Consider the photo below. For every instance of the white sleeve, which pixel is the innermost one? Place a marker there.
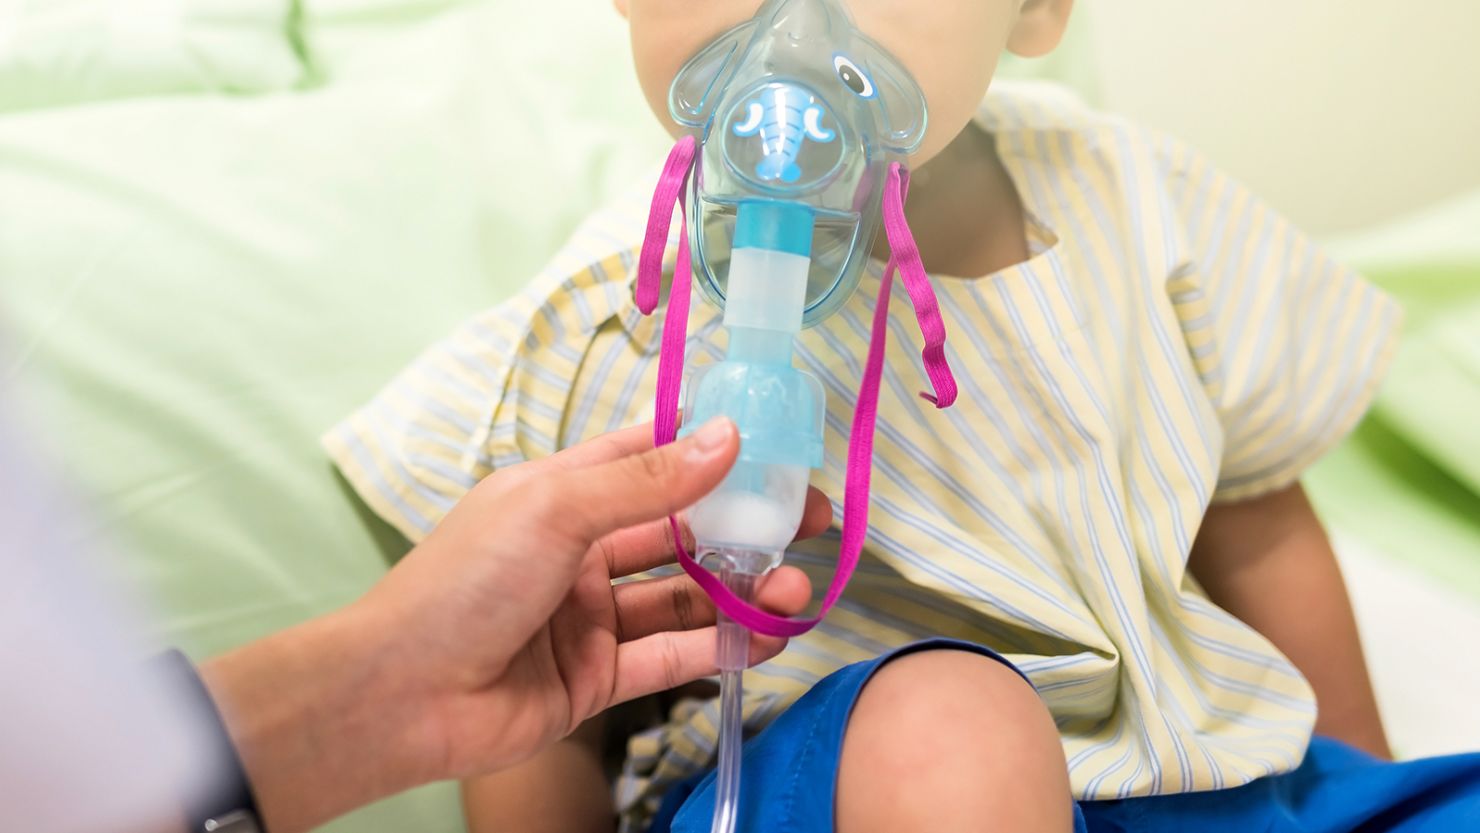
(89, 743)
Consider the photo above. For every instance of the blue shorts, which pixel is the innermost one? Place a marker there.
(791, 769)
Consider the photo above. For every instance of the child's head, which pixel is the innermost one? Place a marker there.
(950, 46)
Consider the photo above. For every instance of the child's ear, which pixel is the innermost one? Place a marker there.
(1039, 28)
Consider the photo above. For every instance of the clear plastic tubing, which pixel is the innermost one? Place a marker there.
(734, 653)
(745, 525)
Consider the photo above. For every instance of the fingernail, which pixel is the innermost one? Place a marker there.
(713, 435)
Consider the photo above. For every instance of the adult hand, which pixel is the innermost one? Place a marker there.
(496, 636)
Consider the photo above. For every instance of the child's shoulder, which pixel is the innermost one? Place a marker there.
(1044, 109)
(1154, 206)
(1054, 128)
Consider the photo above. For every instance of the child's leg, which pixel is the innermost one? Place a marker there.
(950, 740)
(562, 790)
(940, 736)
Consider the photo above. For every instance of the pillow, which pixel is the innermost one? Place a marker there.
(58, 52)
(1408, 482)
(1431, 260)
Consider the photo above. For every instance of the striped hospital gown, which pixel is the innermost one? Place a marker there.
(1171, 342)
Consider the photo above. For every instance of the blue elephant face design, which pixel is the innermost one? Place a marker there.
(783, 117)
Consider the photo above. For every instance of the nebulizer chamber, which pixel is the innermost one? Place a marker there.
(778, 409)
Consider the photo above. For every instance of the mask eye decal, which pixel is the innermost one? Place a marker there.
(853, 78)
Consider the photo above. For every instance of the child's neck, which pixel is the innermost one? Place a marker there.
(965, 211)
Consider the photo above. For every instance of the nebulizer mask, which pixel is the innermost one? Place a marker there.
(798, 127)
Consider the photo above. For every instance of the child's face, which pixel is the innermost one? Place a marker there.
(950, 46)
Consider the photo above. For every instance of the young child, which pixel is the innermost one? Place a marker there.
(1148, 360)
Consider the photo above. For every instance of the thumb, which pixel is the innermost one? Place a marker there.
(645, 487)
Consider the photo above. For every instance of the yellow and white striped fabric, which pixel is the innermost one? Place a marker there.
(1170, 343)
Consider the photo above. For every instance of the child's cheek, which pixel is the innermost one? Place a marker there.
(951, 47)
(666, 33)
(953, 96)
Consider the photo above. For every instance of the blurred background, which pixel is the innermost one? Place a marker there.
(1342, 113)
(225, 223)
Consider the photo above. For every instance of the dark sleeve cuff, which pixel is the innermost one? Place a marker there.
(223, 801)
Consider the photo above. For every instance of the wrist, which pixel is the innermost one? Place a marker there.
(319, 726)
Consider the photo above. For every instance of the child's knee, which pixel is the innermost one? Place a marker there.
(946, 735)
(944, 704)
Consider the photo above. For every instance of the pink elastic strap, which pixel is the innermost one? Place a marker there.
(660, 218)
(861, 439)
(671, 185)
(906, 254)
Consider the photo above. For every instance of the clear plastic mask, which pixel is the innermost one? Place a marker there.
(798, 105)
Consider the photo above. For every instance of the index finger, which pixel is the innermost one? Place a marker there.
(595, 501)
(669, 659)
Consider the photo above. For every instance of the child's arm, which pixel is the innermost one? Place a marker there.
(561, 790)
(1268, 562)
